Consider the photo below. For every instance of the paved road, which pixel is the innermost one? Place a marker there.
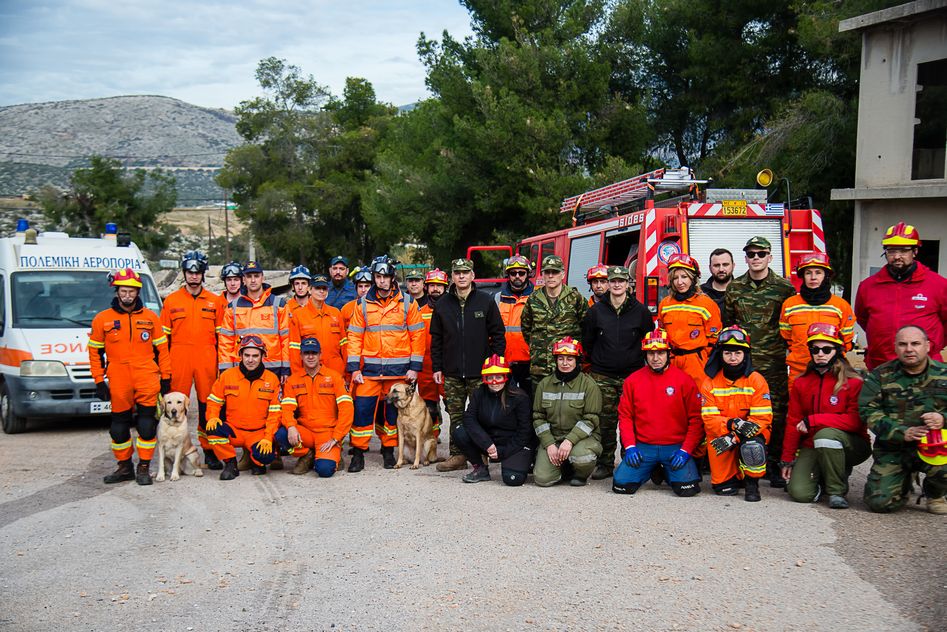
(393, 550)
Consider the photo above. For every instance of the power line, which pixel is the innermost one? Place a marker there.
(125, 157)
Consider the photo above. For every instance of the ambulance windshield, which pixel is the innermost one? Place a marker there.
(66, 299)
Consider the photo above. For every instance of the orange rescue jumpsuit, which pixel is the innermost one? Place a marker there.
(692, 326)
(265, 317)
(252, 412)
(325, 324)
(794, 321)
(320, 408)
(122, 347)
(723, 399)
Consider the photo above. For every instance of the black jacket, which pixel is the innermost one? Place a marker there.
(486, 421)
(463, 337)
(612, 341)
(716, 295)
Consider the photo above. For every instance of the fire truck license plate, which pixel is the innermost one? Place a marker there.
(100, 407)
(734, 207)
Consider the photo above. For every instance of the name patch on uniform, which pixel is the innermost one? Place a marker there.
(266, 390)
(143, 323)
(231, 387)
(145, 335)
(175, 310)
(209, 309)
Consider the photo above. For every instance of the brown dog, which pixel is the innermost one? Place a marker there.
(174, 440)
(414, 424)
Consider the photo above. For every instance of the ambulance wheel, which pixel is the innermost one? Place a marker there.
(12, 423)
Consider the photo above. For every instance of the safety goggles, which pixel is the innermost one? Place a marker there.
(251, 340)
(733, 336)
(496, 378)
(817, 349)
(192, 266)
(757, 254)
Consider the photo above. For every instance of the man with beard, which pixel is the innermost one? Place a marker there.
(511, 299)
(814, 303)
(597, 277)
(342, 290)
(721, 273)
(435, 283)
(754, 301)
(128, 347)
(190, 319)
(904, 292)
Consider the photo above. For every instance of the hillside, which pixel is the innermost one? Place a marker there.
(42, 143)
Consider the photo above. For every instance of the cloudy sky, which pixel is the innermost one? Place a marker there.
(206, 52)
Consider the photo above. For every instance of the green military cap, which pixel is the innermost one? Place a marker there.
(414, 274)
(461, 265)
(759, 242)
(618, 272)
(553, 262)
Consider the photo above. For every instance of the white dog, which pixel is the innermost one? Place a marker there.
(174, 440)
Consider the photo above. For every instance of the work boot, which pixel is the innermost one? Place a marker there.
(124, 472)
(837, 502)
(358, 461)
(244, 463)
(456, 462)
(143, 473)
(304, 464)
(752, 493)
(937, 505)
(575, 481)
(211, 461)
(257, 470)
(277, 463)
(479, 473)
(230, 470)
(388, 458)
(601, 472)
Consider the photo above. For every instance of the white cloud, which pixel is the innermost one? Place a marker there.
(206, 53)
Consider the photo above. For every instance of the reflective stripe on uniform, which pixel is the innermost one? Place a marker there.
(541, 428)
(585, 458)
(732, 390)
(831, 444)
(584, 426)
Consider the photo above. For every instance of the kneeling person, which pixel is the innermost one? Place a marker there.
(497, 423)
(317, 413)
(659, 422)
(566, 407)
(243, 410)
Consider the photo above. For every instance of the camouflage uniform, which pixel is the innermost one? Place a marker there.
(891, 401)
(543, 324)
(610, 387)
(567, 410)
(756, 306)
(456, 392)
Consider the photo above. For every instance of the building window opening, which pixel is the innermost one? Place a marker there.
(930, 122)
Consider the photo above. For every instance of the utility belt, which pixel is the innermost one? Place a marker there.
(683, 352)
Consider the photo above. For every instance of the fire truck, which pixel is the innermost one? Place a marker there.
(640, 222)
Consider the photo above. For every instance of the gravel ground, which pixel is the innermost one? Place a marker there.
(419, 550)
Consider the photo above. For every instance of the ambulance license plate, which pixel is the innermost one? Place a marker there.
(96, 408)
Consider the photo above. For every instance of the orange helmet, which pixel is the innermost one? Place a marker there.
(252, 341)
(126, 277)
(567, 346)
(436, 276)
(683, 261)
(901, 234)
(932, 448)
(825, 332)
(813, 260)
(656, 340)
(597, 272)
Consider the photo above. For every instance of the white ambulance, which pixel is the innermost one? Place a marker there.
(51, 286)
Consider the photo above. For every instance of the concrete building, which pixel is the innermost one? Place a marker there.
(900, 168)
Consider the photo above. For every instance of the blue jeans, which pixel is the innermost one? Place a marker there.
(651, 456)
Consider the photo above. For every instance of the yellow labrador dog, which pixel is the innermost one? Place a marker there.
(174, 440)
(414, 424)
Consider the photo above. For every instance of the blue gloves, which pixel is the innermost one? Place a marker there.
(632, 457)
(679, 460)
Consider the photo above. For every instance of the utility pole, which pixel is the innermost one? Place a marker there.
(226, 229)
(210, 235)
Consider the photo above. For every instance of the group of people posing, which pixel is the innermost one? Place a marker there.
(744, 377)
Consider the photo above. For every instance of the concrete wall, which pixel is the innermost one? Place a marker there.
(890, 55)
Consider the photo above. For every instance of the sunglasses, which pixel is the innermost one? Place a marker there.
(757, 254)
(815, 349)
(517, 273)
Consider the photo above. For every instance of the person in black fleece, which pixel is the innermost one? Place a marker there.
(497, 423)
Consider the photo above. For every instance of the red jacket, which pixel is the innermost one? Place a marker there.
(812, 397)
(660, 409)
(882, 306)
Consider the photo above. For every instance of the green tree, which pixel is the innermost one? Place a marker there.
(106, 192)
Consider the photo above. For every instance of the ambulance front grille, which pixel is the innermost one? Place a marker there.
(80, 372)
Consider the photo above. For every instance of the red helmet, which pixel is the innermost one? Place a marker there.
(252, 341)
(683, 261)
(597, 272)
(813, 260)
(567, 346)
(126, 277)
(932, 448)
(495, 369)
(436, 276)
(901, 234)
(656, 340)
(825, 332)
